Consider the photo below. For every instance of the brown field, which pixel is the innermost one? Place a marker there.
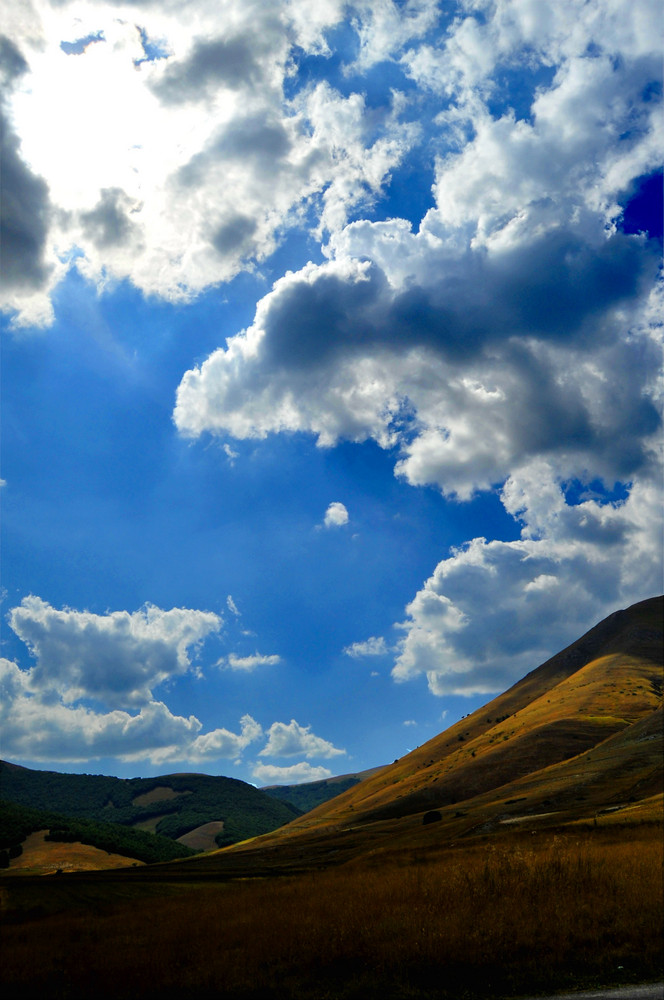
(44, 857)
(202, 838)
(160, 794)
(500, 916)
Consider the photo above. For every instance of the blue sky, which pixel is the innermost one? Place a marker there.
(331, 369)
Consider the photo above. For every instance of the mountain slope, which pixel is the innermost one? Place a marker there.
(579, 739)
(598, 686)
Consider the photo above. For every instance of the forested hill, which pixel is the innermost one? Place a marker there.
(171, 805)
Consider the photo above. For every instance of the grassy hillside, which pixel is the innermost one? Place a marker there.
(170, 805)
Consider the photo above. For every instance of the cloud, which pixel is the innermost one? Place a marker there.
(108, 223)
(295, 774)
(117, 658)
(293, 739)
(229, 62)
(374, 646)
(25, 209)
(193, 164)
(482, 346)
(222, 743)
(494, 610)
(249, 663)
(38, 726)
(232, 606)
(336, 515)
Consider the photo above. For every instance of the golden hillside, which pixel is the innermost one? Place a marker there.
(578, 739)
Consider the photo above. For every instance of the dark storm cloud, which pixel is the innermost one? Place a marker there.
(12, 63)
(108, 223)
(227, 61)
(557, 289)
(256, 137)
(234, 234)
(24, 199)
(263, 141)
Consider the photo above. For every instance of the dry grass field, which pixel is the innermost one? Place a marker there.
(45, 857)
(501, 916)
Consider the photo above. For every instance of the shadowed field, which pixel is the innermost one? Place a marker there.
(500, 917)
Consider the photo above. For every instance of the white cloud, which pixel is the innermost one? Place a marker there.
(494, 610)
(117, 658)
(223, 743)
(249, 663)
(113, 660)
(293, 739)
(270, 774)
(410, 722)
(232, 606)
(374, 646)
(336, 515)
(38, 726)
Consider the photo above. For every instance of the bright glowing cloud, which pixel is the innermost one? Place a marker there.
(293, 739)
(250, 662)
(336, 515)
(294, 774)
(374, 646)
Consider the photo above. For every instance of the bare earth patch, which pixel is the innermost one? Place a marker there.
(44, 857)
(202, 838)
(159, 794)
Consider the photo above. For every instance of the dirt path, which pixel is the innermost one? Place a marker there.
(648, 991)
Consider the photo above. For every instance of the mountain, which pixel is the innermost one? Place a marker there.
(309, 794)
(599, 686)
(577, 740)
(172, 805)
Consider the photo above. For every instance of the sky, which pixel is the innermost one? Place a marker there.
(331, 368)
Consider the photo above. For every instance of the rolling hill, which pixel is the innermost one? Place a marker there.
(172, 805)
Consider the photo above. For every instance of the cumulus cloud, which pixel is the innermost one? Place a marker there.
(223, 743)
(117, 658)
(374, 646)
(336, 515)
(494, 610)
(293, 739)
(39, 726)
(295, 774)
(249, 663)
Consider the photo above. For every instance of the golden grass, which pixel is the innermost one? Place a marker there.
(514, 915)
(43, 857)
